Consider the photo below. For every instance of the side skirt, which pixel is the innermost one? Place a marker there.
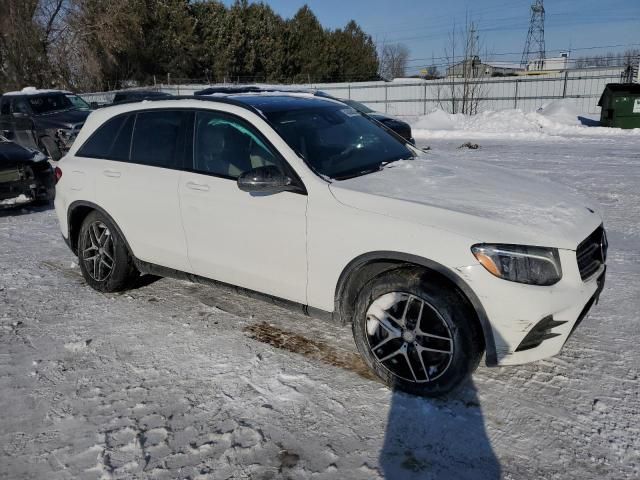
(160, 271)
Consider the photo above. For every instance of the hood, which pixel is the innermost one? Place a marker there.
(480, 201)
(63, 119)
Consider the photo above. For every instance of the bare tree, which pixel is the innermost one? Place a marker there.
(21, 58)
(393, 60)
(30, 33)
(620, 59)
(464, 89)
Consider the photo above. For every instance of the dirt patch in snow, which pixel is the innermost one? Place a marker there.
(313, 349)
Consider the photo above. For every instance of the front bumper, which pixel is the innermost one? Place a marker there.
(528, 322)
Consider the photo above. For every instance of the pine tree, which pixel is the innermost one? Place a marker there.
(106, 44)
(353, 54)
(307, 48)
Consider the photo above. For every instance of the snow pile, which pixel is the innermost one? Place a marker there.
(560, 111)
(554, 119)
(22, 198)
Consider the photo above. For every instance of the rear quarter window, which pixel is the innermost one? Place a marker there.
(111, 141)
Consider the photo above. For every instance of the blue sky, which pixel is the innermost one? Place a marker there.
(424, 25)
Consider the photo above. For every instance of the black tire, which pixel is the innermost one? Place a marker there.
(113, 252)
(446, 313)
(51, 148)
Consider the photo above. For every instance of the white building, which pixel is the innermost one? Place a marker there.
(549, 64)
(475, 67)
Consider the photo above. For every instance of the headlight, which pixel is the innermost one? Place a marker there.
(66, 136)
(64, 133)
(519, 263)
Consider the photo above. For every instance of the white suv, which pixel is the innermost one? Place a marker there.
(306, 200)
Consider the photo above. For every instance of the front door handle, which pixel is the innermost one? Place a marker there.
(198, 186)
(112, 173)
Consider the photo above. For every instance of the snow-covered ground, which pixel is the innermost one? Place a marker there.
(174, 380)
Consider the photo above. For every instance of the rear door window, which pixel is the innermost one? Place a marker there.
(112, 141)
(159, 138)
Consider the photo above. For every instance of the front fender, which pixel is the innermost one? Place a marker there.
(390, 258)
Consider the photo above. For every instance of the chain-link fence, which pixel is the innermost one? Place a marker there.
(414, 97)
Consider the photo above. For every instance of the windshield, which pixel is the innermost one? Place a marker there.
(337, 141)
(49, 103)
(78, 102)
(358, 106)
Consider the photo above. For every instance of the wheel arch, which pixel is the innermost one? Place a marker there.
(369, 265)
(77, 212)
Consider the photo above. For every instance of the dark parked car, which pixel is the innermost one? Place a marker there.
(25, 175)
(400, 127)
(47, 120)
(138, 95)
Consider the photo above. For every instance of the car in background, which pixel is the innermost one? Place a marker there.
(46, 120)
(400, 127)
(25, 175)
(138, 95)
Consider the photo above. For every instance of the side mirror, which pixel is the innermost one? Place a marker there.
(267, 179)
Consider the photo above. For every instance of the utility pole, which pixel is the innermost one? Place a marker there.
(474, 50)
(534, 48)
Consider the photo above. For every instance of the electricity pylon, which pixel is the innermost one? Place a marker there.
(534, 48)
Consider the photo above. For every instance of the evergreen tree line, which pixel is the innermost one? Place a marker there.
(86, 45)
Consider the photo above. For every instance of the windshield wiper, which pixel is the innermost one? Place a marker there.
(366, 171)
(359, 173)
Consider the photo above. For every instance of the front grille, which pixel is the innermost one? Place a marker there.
(592, 253)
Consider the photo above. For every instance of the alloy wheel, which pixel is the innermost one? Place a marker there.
(98, 252)
(408, 337)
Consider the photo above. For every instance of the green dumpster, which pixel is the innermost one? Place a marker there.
(620, 104)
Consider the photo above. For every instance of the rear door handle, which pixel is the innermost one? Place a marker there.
(198, 186)
(112, 173)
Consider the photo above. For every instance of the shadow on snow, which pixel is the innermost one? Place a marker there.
(437, 438)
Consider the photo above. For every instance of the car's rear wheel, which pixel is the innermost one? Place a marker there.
(104, 258)
(416, 334)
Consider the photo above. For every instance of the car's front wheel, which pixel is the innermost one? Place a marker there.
(416, 334)
(104, 258)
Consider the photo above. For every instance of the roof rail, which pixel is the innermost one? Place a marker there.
(238, 89)
(228, 101)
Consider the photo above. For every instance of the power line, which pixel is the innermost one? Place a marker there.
(499, 54)
(449, 61)
(437, 19)
(511, 23)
